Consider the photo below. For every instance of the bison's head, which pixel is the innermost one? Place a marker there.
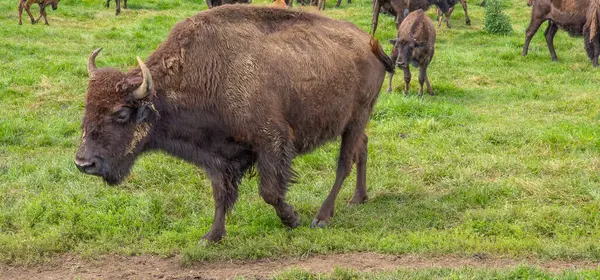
(403, 49)
(54, 4)
(118, 120)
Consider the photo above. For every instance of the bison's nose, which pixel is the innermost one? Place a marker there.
(91, 166)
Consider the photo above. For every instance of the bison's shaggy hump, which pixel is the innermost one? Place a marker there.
(271, 19)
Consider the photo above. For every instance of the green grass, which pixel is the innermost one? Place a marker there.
(522, 272)
(503, 161)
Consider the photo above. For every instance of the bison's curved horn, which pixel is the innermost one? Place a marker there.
(146, 86)
(92, 62)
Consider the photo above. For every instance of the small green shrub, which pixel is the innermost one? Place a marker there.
(496, 21)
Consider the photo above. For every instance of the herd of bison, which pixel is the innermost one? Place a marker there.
(207, 94)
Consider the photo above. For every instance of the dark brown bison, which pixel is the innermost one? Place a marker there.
(118, 4)
(401, 8)
(26, 4)
(215, 3)
(570, 15)
(415, 44)
(224, 93)
(451, 4)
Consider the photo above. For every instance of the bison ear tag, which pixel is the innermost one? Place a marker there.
(142, 113)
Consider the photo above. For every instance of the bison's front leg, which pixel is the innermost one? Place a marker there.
(21, 5)
(28, 10)
(448, 14)
(464, 5)
(406, 79)
(225, 194)
(534, 25)
(118, 3)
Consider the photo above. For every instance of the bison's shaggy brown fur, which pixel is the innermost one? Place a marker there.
(236, 86)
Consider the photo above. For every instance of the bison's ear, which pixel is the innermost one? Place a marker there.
(393, 41)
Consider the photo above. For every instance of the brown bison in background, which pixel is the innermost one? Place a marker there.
(415, 44)
(451, 4)
(215, 3)
(26, 4)
(118, 4)
(578, 17)
(400, 9)
(224, 93)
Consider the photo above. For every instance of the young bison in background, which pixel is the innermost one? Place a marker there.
(26, 4)
(222, 92)
(575, 16)
(451, 4)
(401, 8)
(415, 44)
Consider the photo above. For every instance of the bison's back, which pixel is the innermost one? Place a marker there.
(419, 26)
(265, 64)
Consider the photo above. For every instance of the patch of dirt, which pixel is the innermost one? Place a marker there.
(152, 267)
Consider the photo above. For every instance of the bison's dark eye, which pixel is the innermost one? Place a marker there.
(122, 115)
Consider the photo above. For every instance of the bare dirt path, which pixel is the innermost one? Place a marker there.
(152, 267)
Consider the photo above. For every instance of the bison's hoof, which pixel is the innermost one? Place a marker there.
(212, 238)
(292, 222)
(20, 23)
(358, 199)
(319, 223)
(468, 22)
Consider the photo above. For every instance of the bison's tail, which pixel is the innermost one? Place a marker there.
(380, 54)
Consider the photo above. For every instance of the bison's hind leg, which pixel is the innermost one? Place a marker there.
(276, 152)
(592, 47)
(549, 34)
(352, 139)
(360, 193)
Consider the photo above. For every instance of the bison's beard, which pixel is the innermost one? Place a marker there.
(115, 171)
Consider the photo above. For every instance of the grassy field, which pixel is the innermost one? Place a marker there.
(426, 274)
(502, 161)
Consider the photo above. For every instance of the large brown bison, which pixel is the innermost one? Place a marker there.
(570, 15)
(415, 45)
(26, 4)
(238, 86)
(400, 9)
